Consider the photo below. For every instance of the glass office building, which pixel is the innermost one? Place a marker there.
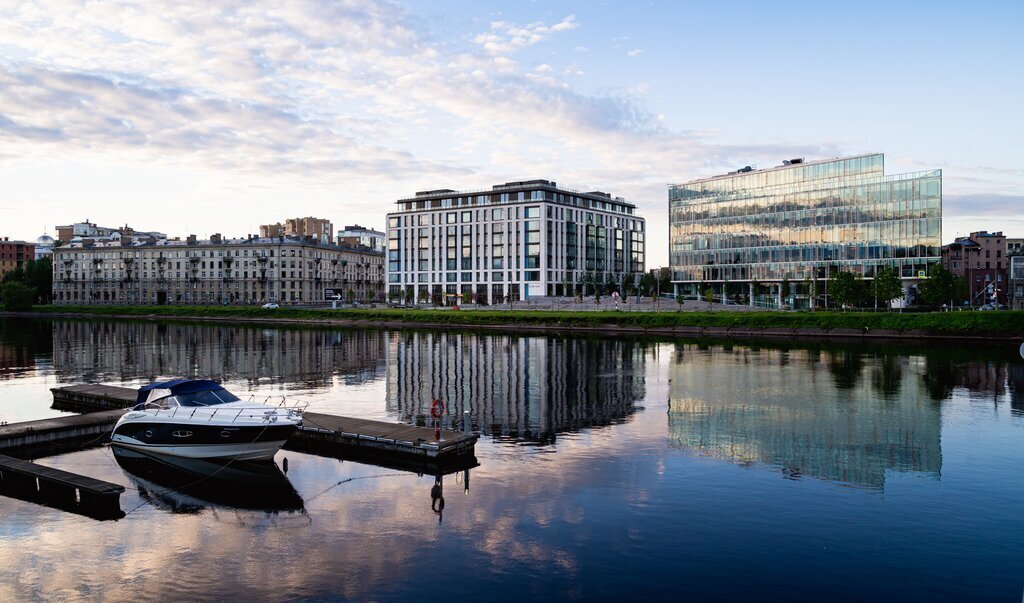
(799, 222)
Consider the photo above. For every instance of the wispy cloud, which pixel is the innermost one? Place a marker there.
(354, 96)
(505, 37)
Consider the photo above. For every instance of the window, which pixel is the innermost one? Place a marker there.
(467, 216)
(532, 212)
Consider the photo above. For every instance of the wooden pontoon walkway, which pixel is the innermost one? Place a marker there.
(320, 430)
(320, 433)
(22, 439)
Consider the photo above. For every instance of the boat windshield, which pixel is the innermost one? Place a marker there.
(205, 398)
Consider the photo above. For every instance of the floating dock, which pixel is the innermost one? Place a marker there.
(68, 491)
(33, 439)
(329, 435)
(91, 398)
(363, 438)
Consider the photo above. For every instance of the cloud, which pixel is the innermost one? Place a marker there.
(635, 52)
(982, 204)
(505, 37)
(321, 104)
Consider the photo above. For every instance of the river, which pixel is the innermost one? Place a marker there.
(609, 468)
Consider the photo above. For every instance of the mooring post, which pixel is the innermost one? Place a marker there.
(465, 422)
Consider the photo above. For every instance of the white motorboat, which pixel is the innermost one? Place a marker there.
(198, 418)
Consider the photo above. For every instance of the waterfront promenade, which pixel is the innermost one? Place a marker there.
(687, 320)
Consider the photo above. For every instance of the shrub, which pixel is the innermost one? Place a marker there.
(17, 296)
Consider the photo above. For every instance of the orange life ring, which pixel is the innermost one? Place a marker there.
(436, 408)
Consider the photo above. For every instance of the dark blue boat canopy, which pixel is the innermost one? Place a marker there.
(178, 386)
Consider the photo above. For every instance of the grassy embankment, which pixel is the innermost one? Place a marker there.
(998, 322)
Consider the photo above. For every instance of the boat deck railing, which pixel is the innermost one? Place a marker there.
(264, 412)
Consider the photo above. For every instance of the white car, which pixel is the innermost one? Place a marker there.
(271, 306)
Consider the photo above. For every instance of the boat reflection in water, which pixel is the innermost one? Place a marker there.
(184, 485)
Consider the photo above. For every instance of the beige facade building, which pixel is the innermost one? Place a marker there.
(318, 229)
(218, 271)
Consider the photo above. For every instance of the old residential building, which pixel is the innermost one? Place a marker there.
(318, 229)
(87, 232)
(518, 239)
(13, 255)
(360, 235)
(217, 271)
(981, 259)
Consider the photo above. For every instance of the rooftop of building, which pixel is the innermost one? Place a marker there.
(786, 164)
(358, 228)
(519, 185)
(215, 242)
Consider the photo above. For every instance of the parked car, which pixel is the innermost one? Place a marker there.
(987, 307)
(270, 306)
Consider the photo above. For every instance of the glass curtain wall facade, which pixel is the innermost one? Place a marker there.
(800, 222)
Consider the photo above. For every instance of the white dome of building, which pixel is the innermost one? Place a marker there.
(44, 246)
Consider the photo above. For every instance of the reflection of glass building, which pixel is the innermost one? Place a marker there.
(787, 408)
(527, 388)
(99, 351)
(801, 221)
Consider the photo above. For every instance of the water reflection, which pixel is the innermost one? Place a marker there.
(517, 388)
(780, 410)
(184, 485)
(120, 351)
(623, 511)
(24, 346)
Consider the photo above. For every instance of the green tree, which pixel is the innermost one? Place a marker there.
(843, 288)
(938, 288)
(15, 276)
(784, 289)
(372, 295)
(648, 283)
(709, 296)
(17, 296)
(467, 297)
(350, 296)
(680, 299)
(665, 279)
(887, 285)
(588, 283)
(39, 275)
(961, 290)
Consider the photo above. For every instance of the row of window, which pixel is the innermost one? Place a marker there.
(516, 197)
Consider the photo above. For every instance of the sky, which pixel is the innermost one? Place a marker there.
(221, 116)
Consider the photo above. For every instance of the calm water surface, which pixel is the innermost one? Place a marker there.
(609, 468)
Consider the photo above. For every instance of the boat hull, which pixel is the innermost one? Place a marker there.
(243, 443)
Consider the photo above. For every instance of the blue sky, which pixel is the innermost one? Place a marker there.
(217, 118)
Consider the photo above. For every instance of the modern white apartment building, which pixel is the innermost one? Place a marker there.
(517, 240)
